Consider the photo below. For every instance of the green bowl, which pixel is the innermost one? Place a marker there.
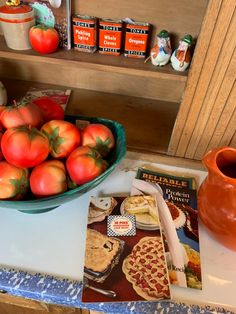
(35, 206)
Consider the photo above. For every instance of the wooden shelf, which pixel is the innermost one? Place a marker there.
(95, 61)
(148, 123)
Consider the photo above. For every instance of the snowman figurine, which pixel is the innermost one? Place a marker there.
(161, 52)
(181, 57)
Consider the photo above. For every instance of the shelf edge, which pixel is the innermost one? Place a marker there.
(92, 66)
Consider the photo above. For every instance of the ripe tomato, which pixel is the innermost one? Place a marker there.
(14, 182)
(24, 113)
(43, 39)
(24, 147)
(84, 164)
(64, 137)
(50, 109)
(48, 178)
(99, 137)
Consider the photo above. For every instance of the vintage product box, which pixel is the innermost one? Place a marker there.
(84, 33)
(110, 36)
(179, 220)
(124, 261)
(136, 39)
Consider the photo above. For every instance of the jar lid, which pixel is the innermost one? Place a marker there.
(11, 9)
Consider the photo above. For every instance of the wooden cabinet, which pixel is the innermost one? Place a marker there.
(159, 107)
(207, 115)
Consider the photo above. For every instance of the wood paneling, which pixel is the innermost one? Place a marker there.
(218, 128)
(210, 83)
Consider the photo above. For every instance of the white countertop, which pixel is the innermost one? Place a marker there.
(53, 242)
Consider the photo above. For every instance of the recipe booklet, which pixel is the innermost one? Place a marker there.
(124, 259)
(180, 225)
(60, 96)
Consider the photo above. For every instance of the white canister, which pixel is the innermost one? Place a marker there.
(16, 22)
(3, 95)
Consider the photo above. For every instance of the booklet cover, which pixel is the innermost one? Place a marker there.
(54, 13)
(180, 196)
(124, 260)
(60, 96)
(166, 179)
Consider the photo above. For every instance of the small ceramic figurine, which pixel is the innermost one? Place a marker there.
(3, 95)
(181, 57)
(161, 52)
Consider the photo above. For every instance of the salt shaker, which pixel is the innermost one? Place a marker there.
(181, 57)
(161, 52)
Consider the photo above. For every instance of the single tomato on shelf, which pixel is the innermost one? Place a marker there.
(48, 178)
(23, 113)
(44, 39)
(14, 181)
(85, 164)
(98, 136)
(64, 137)
(24, 147)
(51, 110)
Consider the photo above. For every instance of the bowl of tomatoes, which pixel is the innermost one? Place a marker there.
(44, 164)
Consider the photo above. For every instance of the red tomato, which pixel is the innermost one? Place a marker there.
(84, 164)
(21, 114)
(24, 147)
(50, 109)
(99, 137)
(43, 39)
(48, 178)
(64, 137)
(14, 182)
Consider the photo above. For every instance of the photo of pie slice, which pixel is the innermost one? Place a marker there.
(145, 268)
(144, 208)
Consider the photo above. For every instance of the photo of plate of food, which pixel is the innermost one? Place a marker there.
(178, 216)
(100, 208)
(144, 208)
(192, 267)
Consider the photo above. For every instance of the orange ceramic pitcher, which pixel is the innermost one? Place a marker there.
(217, 195)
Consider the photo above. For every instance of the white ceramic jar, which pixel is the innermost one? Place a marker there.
(16, 22)
(3, 95)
